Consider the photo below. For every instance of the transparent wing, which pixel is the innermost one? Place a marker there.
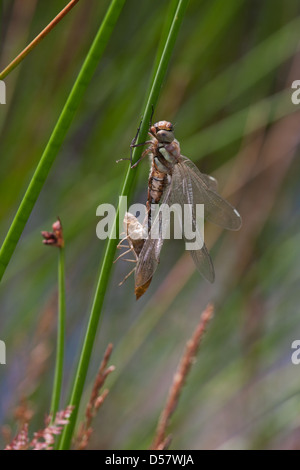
(189, 187)
(149, 257)
(204, 190)
(211, 182)
(182, 193)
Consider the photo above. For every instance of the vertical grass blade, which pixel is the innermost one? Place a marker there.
(58, 375)
(152, 98)
(59, 133)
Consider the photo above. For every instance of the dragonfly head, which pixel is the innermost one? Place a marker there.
(163, 131)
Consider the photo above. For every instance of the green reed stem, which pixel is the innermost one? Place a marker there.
(107, 263)
(59, 133)
(20, 57)
(58, 375)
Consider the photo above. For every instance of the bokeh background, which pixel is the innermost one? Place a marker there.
(228, 90)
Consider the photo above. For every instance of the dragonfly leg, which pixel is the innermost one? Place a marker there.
(137, 134)
(130, 158)
(127, 276)
(139, 128)
(151, 117)
(133, 142)
(143, 156)
(120, 244)
(122, 254)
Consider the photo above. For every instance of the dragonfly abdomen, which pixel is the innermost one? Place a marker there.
(156, 186)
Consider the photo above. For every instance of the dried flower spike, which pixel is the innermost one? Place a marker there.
(45, 438)
(161, 441)
(54, 238)
(96, 400)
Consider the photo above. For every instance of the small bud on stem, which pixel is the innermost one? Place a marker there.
(54, 238)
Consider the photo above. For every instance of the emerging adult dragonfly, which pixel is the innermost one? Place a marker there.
(174, 179)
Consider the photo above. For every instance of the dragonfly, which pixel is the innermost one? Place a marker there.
(175, 179)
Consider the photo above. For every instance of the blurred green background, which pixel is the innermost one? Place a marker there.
(228, 91)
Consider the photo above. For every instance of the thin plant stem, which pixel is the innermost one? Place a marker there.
(59, 133)
(14, 63)
(58, 375)
(107, 263)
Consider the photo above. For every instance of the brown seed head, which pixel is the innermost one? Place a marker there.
(54, 238)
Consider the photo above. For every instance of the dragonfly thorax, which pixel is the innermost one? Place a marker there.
(168, 155)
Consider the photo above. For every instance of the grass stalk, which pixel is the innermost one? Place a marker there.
(59, 133)
(58, 375)
(107, 263)
(20, 57)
